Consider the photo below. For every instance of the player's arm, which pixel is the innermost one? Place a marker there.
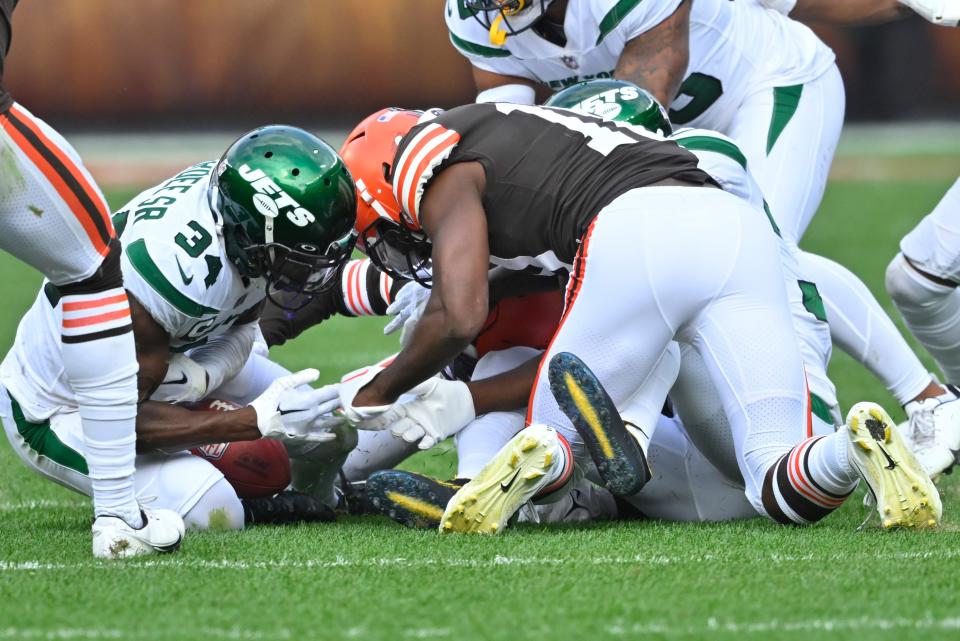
(169, 427)
(452, 215)
(657, 59)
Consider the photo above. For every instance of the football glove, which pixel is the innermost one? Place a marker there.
(286, 412)
(350, 384)
(407, 306)
(945, 13)
(186, 381)
(439, 410)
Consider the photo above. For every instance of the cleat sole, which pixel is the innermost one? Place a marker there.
(905, 495)
(619, 458)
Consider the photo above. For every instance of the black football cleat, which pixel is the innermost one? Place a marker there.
(410, 499)
(285, 508)
(619, 458)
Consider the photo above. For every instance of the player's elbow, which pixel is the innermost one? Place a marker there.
(464, 322)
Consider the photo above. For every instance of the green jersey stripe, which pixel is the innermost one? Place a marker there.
(812, 302)
(717, 145)
(140, 259)
(44, 441)
(477, 50)
(615, 16)
(785, 101)
(821, 409)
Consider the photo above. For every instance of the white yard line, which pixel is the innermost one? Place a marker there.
(820, 626)
(497, 561)
(113, 633)
(42, 504)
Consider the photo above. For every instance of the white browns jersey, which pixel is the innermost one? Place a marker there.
(736, 47)
(174, 264)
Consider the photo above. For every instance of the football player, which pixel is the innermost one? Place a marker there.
(753, 74)
(200, 252)
(54, 218)
(533, 188)
(922, 281)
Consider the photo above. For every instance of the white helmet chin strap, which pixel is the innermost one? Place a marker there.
(268, 229)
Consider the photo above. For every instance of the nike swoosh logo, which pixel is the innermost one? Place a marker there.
(183, 275)
(506, 486)
(891, 464)
(285, 412)
(180, 381)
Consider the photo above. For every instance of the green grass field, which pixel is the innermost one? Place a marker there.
(366, 578)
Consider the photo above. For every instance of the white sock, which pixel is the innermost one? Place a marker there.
(479, 441)
(99, 358)
(830, 466)
(931, 311)
(860, 327)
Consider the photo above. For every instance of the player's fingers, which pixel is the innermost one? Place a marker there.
(427, 442)
(413, 434)
(303, 377)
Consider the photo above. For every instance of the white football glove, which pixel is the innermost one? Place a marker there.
(440, 409)
(945, 13)
(408, 303)
(285, 412)
(186, 381)
(350, 384)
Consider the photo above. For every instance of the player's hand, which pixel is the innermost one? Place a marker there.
(349, 386)
(945, 13)
(285, 412)
(440, 409)
(186, 381)
(408, 304)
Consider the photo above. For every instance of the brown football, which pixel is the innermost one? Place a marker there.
(254, 468)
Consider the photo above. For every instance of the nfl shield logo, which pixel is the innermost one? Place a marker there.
(570, 61)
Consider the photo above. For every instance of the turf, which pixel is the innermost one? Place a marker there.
(366, 578)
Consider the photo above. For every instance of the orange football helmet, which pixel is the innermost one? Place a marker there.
(394, 243)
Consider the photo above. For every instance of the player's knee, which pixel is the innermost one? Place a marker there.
(219, 508)
(908, 287)
(108, 276)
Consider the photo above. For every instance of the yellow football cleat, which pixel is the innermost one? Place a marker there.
(905, 495)
(523, 468)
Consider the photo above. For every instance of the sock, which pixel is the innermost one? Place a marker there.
(931, 312)
(810, 481)
(480, 441)
(561, 471)
(860, 327)
(99, 359)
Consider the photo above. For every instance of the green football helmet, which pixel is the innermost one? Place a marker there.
(288, 205)
(614, 100)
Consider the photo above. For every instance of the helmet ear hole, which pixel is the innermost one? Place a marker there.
(269, 154)
(295, 172)
(386, 171)
(326, 182)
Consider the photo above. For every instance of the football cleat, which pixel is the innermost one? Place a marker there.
(904, 494)
(410, 499)
(535, 461)
(161, 533)
(285, 508)
(933, 432)
(616, 451)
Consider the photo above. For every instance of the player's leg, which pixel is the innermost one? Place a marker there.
(922, 281)
(790, 157)
(619, 332)
(55, 218)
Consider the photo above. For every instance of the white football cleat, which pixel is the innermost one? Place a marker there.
(161, 533)
(904, 494)
(933, 432)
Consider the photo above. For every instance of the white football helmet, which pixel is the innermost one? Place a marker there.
(506, 17)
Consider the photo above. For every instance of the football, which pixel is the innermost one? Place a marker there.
(254, 468)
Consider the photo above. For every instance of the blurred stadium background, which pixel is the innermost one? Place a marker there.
(194, 74)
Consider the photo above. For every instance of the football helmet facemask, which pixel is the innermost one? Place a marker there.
(394, 242)
(288, 206)
(614, 100)
(503, 18)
